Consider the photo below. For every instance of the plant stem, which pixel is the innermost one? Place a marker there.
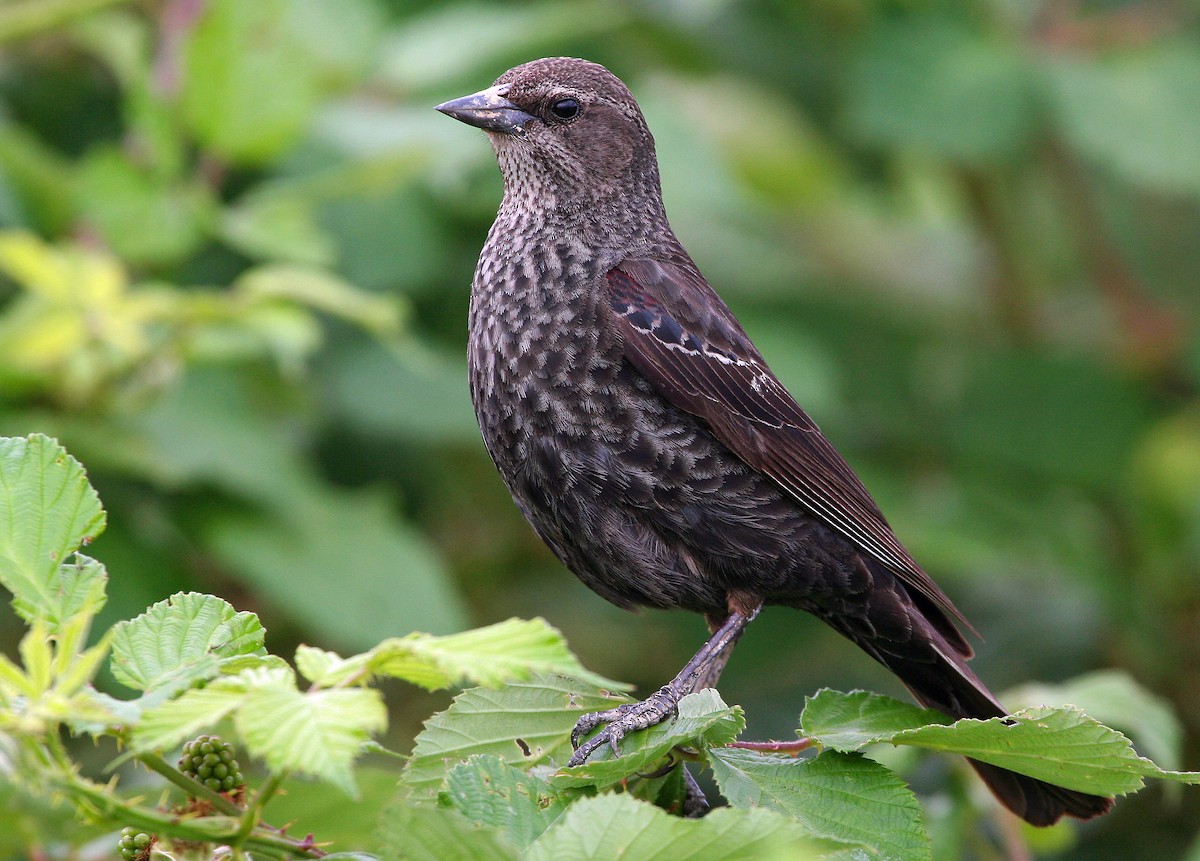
(254, 810)
(789, 747)
(207, 829)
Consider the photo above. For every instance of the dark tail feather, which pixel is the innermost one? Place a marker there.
(1038, 802)
(915, 639)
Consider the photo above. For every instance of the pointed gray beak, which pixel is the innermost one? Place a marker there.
(488, 110)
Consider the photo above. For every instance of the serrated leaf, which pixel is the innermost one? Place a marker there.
(79, 587)
(848, 722)
(1062, 746)
(1115, 699)
(616, 826)
(323, 667)
(409, 832)
(506, 651)
(702, 720)
(487, 790)
(183, 640)
(170, 724)
(523, 723)
(47, 509)
(318, 733)
(845, 798)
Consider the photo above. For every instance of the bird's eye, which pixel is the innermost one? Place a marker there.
(565, 109)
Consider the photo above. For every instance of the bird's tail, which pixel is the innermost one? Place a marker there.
(933, 665)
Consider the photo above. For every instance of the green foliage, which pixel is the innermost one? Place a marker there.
(848, 800)
(36, 539)
(488, 774)
(1047, 743)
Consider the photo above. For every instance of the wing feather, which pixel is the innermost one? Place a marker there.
(682, 338)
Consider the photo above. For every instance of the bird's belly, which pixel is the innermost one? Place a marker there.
(638, 498)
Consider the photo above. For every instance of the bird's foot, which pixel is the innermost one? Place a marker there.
(619, 722)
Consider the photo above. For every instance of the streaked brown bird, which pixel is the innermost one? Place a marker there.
(645, 439)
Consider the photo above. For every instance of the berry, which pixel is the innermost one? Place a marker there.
(210, 761)
(135, 845)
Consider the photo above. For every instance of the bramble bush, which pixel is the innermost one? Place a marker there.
(486, 778)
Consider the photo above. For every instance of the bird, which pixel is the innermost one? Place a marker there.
(647, 442)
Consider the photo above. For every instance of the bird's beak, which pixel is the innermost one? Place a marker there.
(488, 110)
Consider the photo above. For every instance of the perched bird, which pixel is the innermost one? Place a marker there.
(645, 439)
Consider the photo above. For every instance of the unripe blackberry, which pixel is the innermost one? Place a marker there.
(135, 845)
(210, 761)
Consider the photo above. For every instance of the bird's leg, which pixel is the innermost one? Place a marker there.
(701, 671)
(710, 677)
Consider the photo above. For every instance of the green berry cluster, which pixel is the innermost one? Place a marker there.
(210, 761)
(134, 845)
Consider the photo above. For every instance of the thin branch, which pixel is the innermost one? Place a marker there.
(791, 748)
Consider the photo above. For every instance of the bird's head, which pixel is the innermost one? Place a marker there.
(566, 132)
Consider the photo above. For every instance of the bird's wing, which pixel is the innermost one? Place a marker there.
(682, 338)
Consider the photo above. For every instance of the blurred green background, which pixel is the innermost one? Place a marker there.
(236, 245)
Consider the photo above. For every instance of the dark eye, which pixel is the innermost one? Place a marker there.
(565, 109)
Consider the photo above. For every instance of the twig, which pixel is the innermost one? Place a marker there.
(791, 748)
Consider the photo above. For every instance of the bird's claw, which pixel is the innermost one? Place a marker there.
(620, 721)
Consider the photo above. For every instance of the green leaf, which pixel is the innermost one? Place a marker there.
(415, 375)
(848, 722)
(928, 84)
(170, 724)
(183, 640)
(248, 86)
(322, 531)
(256, 72)
(1115, 699)
(119, 198)
(456, 40)
(47, 509)
(277, 227)
(319, 289)
(79, 588)
(1062, 746)
(318, 733)
(409, 832)
(702, 721)
(1135, 112)
(616, 826)
(503, 652)
(524, 724)
(845, 798)
(487, 790)
(307, 530)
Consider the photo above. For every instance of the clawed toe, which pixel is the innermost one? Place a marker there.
(618, 722)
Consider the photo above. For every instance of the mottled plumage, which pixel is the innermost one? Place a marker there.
(646, 440)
